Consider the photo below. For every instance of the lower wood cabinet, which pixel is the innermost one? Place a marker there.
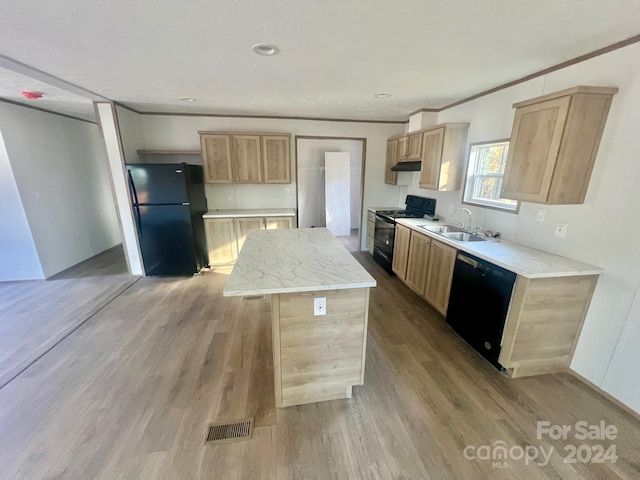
(226, 236)
(442, 259)
(401, 251)
(418, 262)
(425, 265)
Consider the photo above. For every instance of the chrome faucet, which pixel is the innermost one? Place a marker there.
(463, 210)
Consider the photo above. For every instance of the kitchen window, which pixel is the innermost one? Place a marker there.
(485, 170)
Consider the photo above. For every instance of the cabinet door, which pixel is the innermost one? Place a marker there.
(221, 240)
(390, 177)
(441, 261)
(415, 146)
(431, 155)
(403, 148)
(247, 163)
(401, 251)
(246, 225)
(419, 246)
(533, 152)
(216, 158)
(277, 223)
(276, 159)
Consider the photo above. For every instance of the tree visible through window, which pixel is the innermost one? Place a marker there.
(484, 176)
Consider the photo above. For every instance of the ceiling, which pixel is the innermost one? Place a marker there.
(335, 54)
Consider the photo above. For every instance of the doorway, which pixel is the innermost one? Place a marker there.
(312, 188)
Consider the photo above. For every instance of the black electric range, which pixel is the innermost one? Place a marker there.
(416, 207)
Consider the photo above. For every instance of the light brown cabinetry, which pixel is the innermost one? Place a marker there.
(276, 159)
(415, 146)
(225, 236)
(371, 229)
(442, 259)
(216, 158)
(401, 251)
(554, 143)
(403, 148)
(425, 265)
(418, 262)
(221, 240)
(544, 323)
(246, 158)
(390, 177)
(443, 156)
(247, 161)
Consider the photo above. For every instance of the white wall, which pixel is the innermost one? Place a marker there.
(603, 231)
(311, 178)
(18, 256)
(60, 170)
(181, 132)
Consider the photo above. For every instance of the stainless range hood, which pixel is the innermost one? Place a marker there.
(413, 166)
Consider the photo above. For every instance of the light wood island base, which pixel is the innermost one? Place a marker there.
(318, 357)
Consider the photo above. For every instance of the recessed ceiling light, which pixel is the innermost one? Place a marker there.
(187, 99)
(382, 95)
(265, 49)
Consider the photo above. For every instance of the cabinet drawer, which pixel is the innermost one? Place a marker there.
(371, 227)
(371, 216)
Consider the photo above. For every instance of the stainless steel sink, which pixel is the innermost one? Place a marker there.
(441, 228)
(463, 237)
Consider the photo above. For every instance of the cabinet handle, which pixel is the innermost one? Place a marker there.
(237, 179)
(229, 178)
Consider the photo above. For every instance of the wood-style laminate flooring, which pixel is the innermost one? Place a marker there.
(129, 394)
(35, 315)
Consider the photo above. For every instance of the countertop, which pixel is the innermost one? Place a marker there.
(377, 209)
(525, 261)
(251, 212)
(294, 260)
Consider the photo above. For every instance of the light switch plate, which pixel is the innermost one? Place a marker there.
(561, 230)
(540, 215)
(320, 306)
(229, 198)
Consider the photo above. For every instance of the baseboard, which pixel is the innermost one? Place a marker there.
(606, 395)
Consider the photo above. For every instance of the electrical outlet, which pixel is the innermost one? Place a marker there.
(540, 215)
(288, 190)
(320, 306)
(229, 198)
(561, 230)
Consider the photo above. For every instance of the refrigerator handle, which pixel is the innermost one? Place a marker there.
(133, 188)
(138, 220)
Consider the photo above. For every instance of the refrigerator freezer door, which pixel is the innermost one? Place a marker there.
(166, 240)
(159, 184)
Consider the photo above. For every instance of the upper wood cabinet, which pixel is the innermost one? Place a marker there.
(554, 143)
(247, 162)
(403, 148)
(216, 158)
(276, 158)
(442, 156)
(415, 146)
(391, 177)
(401, 251)
(246, 158)
(442, 259)
(418, 262)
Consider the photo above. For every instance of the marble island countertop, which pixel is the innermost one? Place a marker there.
(525, 261)
(294, 260)
(250, 212)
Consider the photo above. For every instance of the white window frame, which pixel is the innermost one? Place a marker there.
(470, 176)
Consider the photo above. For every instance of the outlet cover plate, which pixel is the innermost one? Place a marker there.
(561, 230)
(320, 306)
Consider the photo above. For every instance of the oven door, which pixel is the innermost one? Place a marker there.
(384, 235)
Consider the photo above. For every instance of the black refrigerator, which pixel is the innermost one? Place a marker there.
(168, 202)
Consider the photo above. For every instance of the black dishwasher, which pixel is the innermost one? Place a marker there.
(478, 304)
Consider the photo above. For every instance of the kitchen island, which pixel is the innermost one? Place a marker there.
(319, 310)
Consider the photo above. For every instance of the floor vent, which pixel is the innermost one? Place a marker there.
(254, 297)
(230, 432)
